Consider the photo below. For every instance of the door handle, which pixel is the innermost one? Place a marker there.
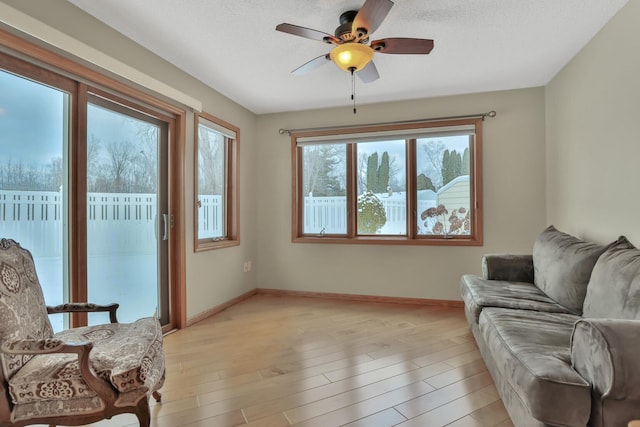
(165, 219)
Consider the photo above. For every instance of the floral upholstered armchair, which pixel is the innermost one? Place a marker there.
(76, 376)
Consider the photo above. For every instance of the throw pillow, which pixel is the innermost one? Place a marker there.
(562, 266)
(614, 287)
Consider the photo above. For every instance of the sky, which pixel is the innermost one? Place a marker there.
(396, 149)
(32, 122)
(23, 104)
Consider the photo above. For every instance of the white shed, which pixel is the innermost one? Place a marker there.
(455, 194)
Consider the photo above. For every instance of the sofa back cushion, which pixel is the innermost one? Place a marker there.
(614, 287)
(562, 266)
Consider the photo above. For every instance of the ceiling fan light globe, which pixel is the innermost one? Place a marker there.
(351, 56)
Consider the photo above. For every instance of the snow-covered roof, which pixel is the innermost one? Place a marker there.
(461, 178)
(427, 195)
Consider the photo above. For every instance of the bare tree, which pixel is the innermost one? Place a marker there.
(321, 172)
(210, 163)
(362, 172)
(18, 176)
(124, 166)
(55, 174)
(121, 157)
(95, 171)
(145, 178)
(431, 164)
(13, 176)
(397, 176)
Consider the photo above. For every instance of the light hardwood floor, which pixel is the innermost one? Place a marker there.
(276, 361)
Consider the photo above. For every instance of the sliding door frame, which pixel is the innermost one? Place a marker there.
(33, 61)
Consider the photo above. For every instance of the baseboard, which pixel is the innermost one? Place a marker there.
(363, 298)
(218, 308)
(326, 295)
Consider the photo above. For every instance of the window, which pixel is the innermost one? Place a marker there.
(216, 183)
(417, 183)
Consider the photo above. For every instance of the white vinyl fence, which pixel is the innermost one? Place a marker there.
(124, 224)
(36, 214)
(329, 214)
(128, 223)
(116, 223)
(122, 233)
(210, 216)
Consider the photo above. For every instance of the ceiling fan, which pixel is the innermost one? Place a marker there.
(352, 49)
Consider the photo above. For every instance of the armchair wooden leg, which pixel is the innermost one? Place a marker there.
(157, 396)
(143, 414)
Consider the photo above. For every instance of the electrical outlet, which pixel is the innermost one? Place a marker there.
(248, 265)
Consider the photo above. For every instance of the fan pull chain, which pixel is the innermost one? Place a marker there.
(353, 89)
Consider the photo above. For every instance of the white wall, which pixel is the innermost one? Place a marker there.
(212, 277)
(593, 143)
(514, 202)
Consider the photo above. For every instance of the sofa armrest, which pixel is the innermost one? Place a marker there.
(605, 352)
(508, 267)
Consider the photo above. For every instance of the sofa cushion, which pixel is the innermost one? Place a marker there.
(478, 293)
(562, 266)
(119, 356)
(531, 350)
(614, 287)
(510, 267)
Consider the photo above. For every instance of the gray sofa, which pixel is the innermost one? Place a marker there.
(559, 330)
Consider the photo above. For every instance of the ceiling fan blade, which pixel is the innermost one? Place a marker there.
(369, 73)
(399, 45)
(371, 15)
(311, 65)
(308, 33)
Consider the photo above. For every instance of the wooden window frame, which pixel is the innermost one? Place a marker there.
(412, 237)
(232, 195)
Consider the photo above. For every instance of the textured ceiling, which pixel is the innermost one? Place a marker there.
(480, 45)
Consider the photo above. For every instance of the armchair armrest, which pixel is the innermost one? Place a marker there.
(605, 352)
(53, 346)
(508, 267)
(84, 307)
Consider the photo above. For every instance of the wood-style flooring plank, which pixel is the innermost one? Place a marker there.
(442, 396)
(360, 394)
(454, 410)
(492, 414)
(386, 418)
(277, 361)
(467, 421)
(369, 407)
(457, 374)
(370, 382)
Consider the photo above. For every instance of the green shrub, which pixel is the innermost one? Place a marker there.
(371, 214)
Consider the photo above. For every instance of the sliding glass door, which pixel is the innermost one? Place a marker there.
(84, 186)
(127, 220)
(34, 135)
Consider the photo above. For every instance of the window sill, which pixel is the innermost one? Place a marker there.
(205, 245)
(391, 240)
